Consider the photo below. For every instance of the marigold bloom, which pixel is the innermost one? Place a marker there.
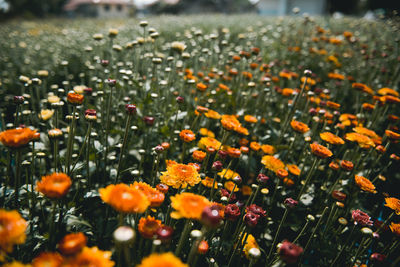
(48, 259)
(272, 163)
(393, 203)
(370, 133)
(299, 126)
(180, 176)
(362, 140)
(199, 155)
(72, 243)
(148, 226)
(392, 135)
(230, 122)
(155, 196)
(294, 169)
(55, 185)
(331, 138)
(212, 114)
(162, 260)
(320, 151)
(74, 98)
(268, 149)
(255, 146)
(91, 257)
(187, 136)
(12, 230)
(250, 119)
(232, 152)
(17, 137)
(228, 174)
(124, 198)
(206, 142)
(395, 228)
(365, 184)
(388, 91)
(188, 205)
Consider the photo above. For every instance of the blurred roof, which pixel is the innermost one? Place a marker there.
(73, 4)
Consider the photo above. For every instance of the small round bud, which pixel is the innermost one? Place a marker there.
(217, 165)
(130, 109)
(18, 99)
(124, 235)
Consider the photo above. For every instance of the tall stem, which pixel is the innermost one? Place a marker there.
(277, 234)
(125, 139)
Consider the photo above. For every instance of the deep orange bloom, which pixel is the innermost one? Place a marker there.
(230, 122)
(293, 169)
(206, 142)
(48, 259)
(362, 140)
(331, 138)
(72, 243)
(91, 257)
(370, 133)
(201, 87)
(187, 136)
(232, 151)
(203, 247)
(124, 198)
(162, 260)
(55, 185)
(393, 203)
(368, 106)
(334, 165)
(199, 155)
(180, 175)
(268, 149)
(272, 163)
(282, 173)
(392, 135)
(299, 126)
(12, 230)
(389, 99)
(250, 119)
(242, 130)
(148, 226)
(395, 227)
(212, 114)
(287, 91)
(155, 196)
(388, 91)
(229, 185)
(333, 105)
(320, 151)
(188, 205)
(255, 146)
(365, 184)
(346, 165)
(17, 137)
(363, 87)
(74, 98)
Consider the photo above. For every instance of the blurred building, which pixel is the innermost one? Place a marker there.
(285, 7)
(100, 8)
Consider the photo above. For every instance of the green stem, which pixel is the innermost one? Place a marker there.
(125, 140)
(183, 237)
(308, 178)
(277, 234)
(70, 141)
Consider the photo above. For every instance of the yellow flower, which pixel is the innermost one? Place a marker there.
(46, 114)
(206, 142)
(228, 174)
(250, 243)
(162, 260)
(393, 203)
(272, 163)
(180, 175)
(12, 230)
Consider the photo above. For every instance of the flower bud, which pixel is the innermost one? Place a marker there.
(290, 203)
(203, 247)
(251, 219)
(262, 178)
(130, 109)
(232, 212)
(211, 216)
(217, 165)
(164, 233)
(338, 195)
(148, 120)
(180, 99)
(18, 99)
(289, 252)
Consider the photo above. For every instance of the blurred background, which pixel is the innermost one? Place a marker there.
(139, 8)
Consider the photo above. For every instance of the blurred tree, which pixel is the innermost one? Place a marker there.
(343, 6)
(35, 8)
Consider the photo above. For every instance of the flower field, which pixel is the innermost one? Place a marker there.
(200, 141)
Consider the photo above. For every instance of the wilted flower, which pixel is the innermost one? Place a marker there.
(289, 252)
(361, 218)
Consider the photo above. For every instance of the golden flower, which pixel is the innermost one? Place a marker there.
(272, 163)
(337, 76)
(162, 260)
(91, 257)
(255, 146)
(211, 114)
(395, 228)
(293, 169)
(55, 185)
(206, 142)
(230, 122)
(393, 203)
(53, 99)
(155, 197)
(250, 119)
(17, 137)
(187, 136)
(367, 132)
(208, 182)
(188, 205)
(48, 259)
(320, 150)
(246, 190)
(46, 114)
(331, 138)
(124, 198)
(392, 135)
(206, 132)
(362, 140)
(180, 176)
(242, 130)
(199, 155)
(79, 89)
(72, 243)
(148, 226)
(74, 98)
(299, 126)
(363, 87)
(250, 243)
(228, 174)
(388, 91)
(12, 230)
(229, 185)
(365, 184)
(268, 149)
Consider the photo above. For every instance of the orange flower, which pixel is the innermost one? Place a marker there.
(255, 146)
(333, 105)
(206, 142)
(320, 151)
(388, 91)
(188, 205)
(282, 173)
(299, 126)
(337, 76)
(393, 203)
(16, 264)
(232, 152)
(365, 184)
(155, 197)
(74, 98)
(229, 185)
(206, 132)
(48, 259)
(250, 243)
(228, 174)
(395, 227)
(293, 169)
(370, 133)
(242, 130)
(250, 119)
(268, 149)
(331, 138)
(55, 185)
(180, 176)
(17, 137)
(124, 198)
(91, 257)
(199, 155)
(272, 163)
(148, 226)
(363, 87)
(72, 243)
(362, 140)
(211, 114)
(201, 87)
(392, 135)
(287, 91)
(246, 190)
(187, 136)
(12, 230)
(162, 260)
(208, 182)
(230, 122)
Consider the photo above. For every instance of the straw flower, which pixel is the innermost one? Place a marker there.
(74, 98)
(72, 243)
(393, 203)
(395, 228)
(320, 151)
(155, 196)
(17, 137)
(250, 243)
(250, 119)
(331, 138)
(46, 114)
(180, 175)
(188, 205)
(199, 155)
(392, 135)
(55, 185)
(91, 257)
(294, 169)
(12, 230)
(187, 136)
(124, 198)
(211, 114)
(272, 163)
(148, 226)
(228, 174)
(162, 260)
(362, 140)
(299, 126)
(268, 149)
(365, 184)
(51, 259)
(208, 182)
(206, 142)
